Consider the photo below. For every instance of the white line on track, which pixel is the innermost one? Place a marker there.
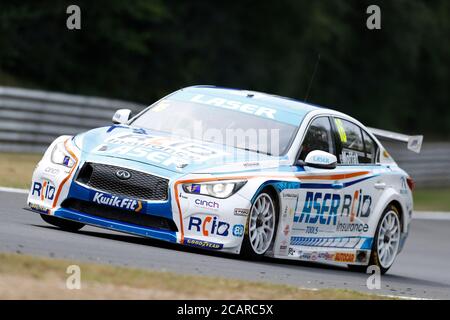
(13, 190)
(374, 293)
(431, 215)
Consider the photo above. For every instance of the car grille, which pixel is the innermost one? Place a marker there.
(140, 185)
(120, 215)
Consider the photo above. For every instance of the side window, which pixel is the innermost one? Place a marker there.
(352, 145)
(318, 137)
(371, 148)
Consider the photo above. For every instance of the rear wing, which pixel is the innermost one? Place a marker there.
(414, 143)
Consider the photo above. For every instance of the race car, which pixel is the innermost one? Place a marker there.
(236, 171)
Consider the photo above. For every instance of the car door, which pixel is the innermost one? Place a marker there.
(357, 155)
(318, 195)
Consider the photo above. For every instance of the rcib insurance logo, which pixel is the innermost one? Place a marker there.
(45, 190)
(208, 225)
(117, 202)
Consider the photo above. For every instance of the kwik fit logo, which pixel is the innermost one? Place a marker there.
(115, 201)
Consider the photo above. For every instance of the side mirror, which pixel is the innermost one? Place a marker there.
(320, 159)
(121, 116)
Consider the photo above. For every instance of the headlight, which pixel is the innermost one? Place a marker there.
(216, 189)
(61, 156)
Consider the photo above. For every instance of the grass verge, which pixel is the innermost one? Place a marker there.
(434, 199)
(29, 277)
(16, 170)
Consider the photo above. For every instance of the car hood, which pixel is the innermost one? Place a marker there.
(169, 152)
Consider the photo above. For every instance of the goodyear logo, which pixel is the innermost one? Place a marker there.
(117, 202)
(203, 244)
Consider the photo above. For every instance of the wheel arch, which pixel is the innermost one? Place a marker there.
(398, 206)
(389, 197)
(273, 187)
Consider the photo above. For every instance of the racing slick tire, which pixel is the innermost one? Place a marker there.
(63, 224)
(261, 226)
(386, 242)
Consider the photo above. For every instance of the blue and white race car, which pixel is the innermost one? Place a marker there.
(235, 171)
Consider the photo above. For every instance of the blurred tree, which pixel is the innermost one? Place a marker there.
(394, 78)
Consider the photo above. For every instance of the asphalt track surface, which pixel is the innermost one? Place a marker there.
(421, 271)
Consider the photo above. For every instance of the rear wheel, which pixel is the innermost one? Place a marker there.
(261, 226)
(62, 223)
(386, 241)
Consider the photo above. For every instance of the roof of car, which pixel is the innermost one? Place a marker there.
(278, 102)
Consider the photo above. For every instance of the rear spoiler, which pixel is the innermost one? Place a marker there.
(414, 142)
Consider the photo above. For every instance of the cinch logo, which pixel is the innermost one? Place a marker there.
(114, 201)
(44, 190)
(323, 208)
(209, 225)
(207, 204)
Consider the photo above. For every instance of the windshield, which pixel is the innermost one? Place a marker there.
(218, 125)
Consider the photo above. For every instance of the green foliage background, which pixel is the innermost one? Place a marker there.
(394, 78)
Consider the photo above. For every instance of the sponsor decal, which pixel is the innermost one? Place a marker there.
(195, 188)
(317, 256)
(202, 244)
(209, 225)
(241, 212)
(182, 196)
(251, 164)
(304, 255)
(117, 202)
(321, 159)
(167, 151)
(235, 105)
(51, 171)
(289, 195)
(283, 246)
(324, 208)
(312, 230)
(352, 227)
(38, 208)
(238, 230)
(44, 190)
(404, 185)
(286, 230)
(66, 161)
(344, 257)
(332, 242)
(326, 256)
(349, 157)
(341, 130)
(206, 204)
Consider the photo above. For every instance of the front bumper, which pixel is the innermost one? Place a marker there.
(198, 224)
(116, 225)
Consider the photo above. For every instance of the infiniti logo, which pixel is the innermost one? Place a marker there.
(123, 174)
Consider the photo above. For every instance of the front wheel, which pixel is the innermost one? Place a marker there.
(64, 224)
(261, 227)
